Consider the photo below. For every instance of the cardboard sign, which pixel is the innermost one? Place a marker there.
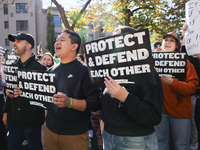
(38, 87)
(192, 37)
(126, 58)
(172, 64)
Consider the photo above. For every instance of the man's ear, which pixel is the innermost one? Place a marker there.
(74, 46)
(29, 46)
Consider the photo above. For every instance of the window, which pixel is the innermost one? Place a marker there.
(90, 26)
(5, 8)
(21, 8)
(22, 25)
(7, 43)
(6, 25)
(57, 21)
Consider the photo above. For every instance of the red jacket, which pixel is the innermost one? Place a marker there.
(186, 87)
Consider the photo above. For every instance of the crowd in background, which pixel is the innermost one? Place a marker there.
(163, 116)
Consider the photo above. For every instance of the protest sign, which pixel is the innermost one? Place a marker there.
(169, 63)
(10, 73)
(125, 57)
(10, 57)
(192, 37)
(3, 50)
(38, 87)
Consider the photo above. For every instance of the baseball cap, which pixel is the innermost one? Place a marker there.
(172, 34)
(22, 36)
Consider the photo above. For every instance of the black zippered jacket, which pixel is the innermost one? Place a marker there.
(19, 113)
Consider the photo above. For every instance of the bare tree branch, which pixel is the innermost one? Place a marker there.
(1, 1)
(80, 13)
(144, 7)
(12, 2)
(62, 14)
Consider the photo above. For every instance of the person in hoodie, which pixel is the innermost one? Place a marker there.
(130, 112)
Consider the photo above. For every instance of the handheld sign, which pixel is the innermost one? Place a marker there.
(38, 87)
(169, 63)
(10, 73)
(10, 57)
(125, 57)
(3, 50)
(192, 38)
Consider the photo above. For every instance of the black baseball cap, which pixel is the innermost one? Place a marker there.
(172, 34)
(22, 36)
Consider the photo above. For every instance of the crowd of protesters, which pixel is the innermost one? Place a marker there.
(121, 116)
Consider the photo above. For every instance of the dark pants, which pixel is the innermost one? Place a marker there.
(3, 141)
(197, 118)
(16, 137)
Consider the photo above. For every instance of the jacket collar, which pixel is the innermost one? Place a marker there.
(27, 61)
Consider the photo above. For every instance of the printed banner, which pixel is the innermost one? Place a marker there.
(3, 50)
(10, 74)
(10, 58)
(127, 58)
(192, 39)
(38, 87)
(172, 64)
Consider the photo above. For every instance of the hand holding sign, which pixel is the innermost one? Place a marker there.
(159, 49)
(17, 91)
(115, 89)
(61, 100)
(8, 94)
(167, 79)
(185, 28)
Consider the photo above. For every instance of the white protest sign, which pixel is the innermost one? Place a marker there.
(192, 39)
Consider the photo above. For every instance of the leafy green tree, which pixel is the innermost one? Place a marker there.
(50, 31)
(159, 16)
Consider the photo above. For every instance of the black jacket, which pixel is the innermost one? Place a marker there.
(141, 110)
(19, 114)
(196, 64)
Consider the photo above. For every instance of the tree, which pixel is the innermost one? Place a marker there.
(160, 16)
(50, 31)
(66, 19)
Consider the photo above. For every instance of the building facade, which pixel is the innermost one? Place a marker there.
(29, 16)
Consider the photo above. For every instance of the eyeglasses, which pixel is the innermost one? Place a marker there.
(157, 46)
